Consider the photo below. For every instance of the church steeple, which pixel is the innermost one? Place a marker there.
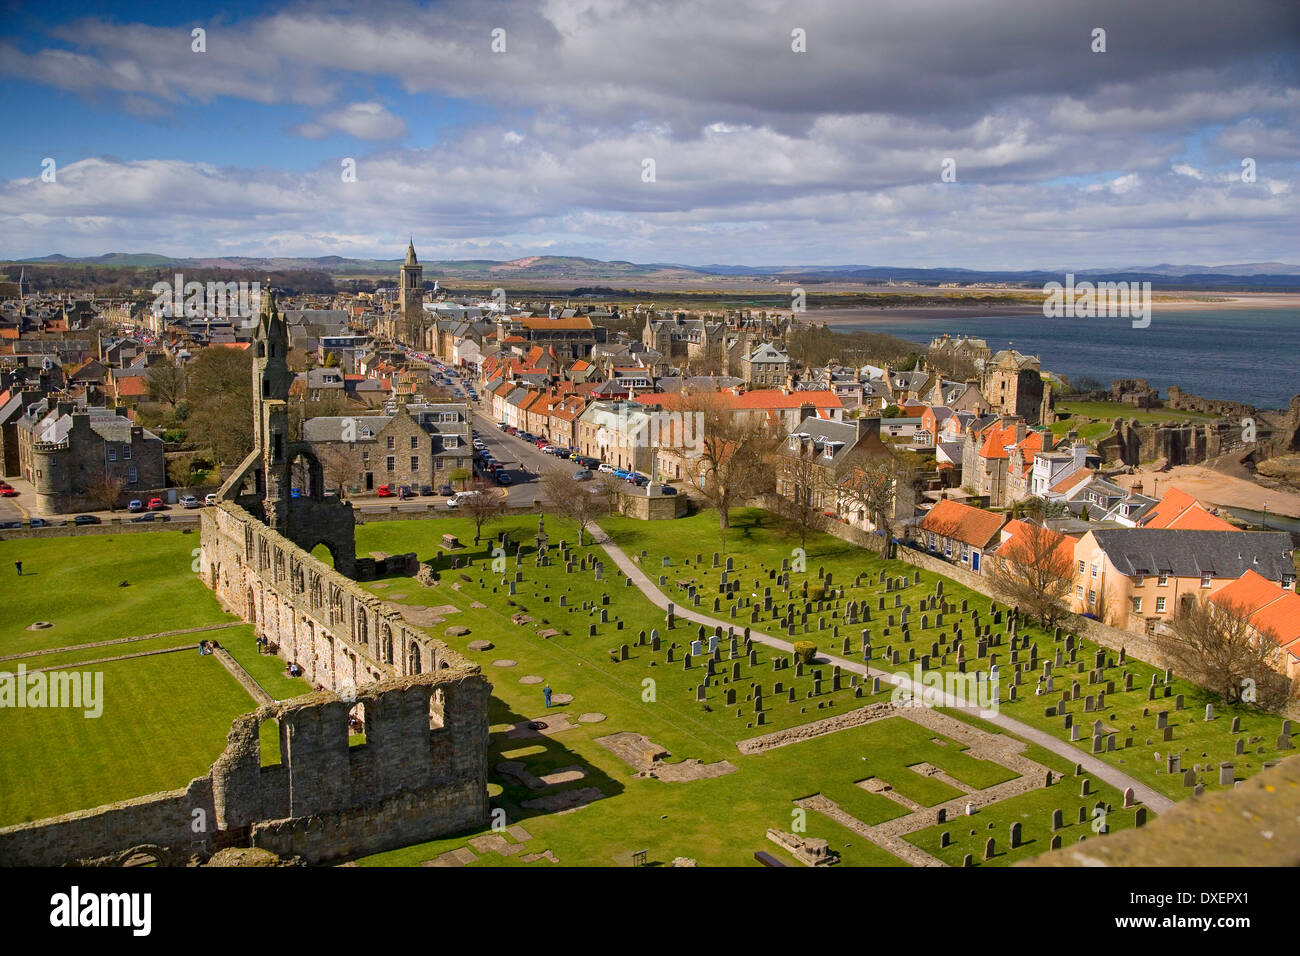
(410, 254)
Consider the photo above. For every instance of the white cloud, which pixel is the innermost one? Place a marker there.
(368, 121)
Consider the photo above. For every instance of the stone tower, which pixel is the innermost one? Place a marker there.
(271, 380)
(411, 299)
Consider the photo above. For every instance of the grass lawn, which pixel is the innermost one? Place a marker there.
(165, 720)
(169, 715)
(1109, 411)
(74, 582)
(667, 819)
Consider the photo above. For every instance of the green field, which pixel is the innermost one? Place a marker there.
(176, 707)
(1109, 411)
(165, 716)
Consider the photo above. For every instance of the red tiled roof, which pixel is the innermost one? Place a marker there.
(1268, 607)
(1177, 509)
(952, 519)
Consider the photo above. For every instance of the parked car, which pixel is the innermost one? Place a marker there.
(620, 473)
(210, 499)
(40, 523)
(156, 504)
(639, 480)
(383, 491)
(4, 485)
(189, 501)
(590, 463)
(669, 490)
(9, 492)
(426, 491)
(87, 519)
(446, 490)
(547, 449)
(605, 469)
(404, 492)
(563, 453)
(582, 475)
(135, 505)
(503, 477)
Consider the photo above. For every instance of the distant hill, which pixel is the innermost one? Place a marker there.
(1258, 275)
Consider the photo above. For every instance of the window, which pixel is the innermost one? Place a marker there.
(1137, 605)
(131, 476)
(1092, 596)
(1082, 567)
(1288, 582)
(1078, 592)
(365, 459)
(1205, 580)
(415, 463)
(126, 452)
(1094, 569)
(1137, 580)
(1162, 580)
(1160, 605)
(112, 453)
(390, 443)
(415, 441)
(391, 463)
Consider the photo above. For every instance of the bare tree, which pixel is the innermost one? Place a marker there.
(166, 382)
(338, 466)
(180, 468)
(728, 458)
(1034, 570)
(873, 485)
(801, 485)
(1221, 650)
(572, 499)
(482, 508)
(106, 491)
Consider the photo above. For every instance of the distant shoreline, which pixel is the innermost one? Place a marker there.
(885, 315)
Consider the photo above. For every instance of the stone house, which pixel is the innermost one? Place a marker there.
(960, 533)
(418, 445)
(1136, 579)
(65, 450)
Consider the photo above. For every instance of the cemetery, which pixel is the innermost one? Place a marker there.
(649, 704)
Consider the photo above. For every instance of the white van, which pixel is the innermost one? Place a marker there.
(455, 500)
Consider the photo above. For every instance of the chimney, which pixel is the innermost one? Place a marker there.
(1080, 454)
(1020, 432)
(868, 425)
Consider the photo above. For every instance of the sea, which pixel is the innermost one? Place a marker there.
(1242, 355)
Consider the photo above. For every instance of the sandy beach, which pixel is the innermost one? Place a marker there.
(1166, 302)
(1213, 488)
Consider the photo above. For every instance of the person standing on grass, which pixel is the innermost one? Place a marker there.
(546, 692)
(19, 566)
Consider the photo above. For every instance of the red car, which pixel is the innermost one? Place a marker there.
(8, 492)
(156, 504)
(383, 491)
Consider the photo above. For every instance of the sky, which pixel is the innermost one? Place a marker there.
(1000, 134)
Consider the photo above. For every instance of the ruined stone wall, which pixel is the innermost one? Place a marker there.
(421, 773)
(342, 635)
(165, 819)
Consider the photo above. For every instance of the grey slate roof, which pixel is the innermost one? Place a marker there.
(1223, 554)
